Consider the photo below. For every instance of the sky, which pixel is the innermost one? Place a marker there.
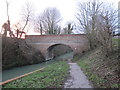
(67, 8)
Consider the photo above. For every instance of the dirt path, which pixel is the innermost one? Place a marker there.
(77, 78)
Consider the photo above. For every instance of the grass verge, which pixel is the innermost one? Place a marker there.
(53, 76)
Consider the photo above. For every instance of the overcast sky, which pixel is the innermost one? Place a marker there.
(67, 8)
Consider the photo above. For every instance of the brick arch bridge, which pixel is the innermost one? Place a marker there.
(77, 42)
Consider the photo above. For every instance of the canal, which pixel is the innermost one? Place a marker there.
(17, 71)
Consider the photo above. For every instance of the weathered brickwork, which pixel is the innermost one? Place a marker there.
(78, 43)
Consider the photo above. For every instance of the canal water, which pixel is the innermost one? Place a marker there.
(17, 71)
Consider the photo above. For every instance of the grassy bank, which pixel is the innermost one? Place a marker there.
(101, 71)
(53, 76)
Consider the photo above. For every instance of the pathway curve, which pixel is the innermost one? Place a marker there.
(77, 78)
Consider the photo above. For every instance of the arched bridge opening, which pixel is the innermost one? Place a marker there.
(58, 50)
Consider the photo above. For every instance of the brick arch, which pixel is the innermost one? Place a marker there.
(49, 52)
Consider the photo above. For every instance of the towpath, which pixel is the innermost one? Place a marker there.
(77, 78)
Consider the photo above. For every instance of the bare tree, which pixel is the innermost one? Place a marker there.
(97, 22)
(27, 15)
(7, 9)
(6, 26)
(18, 27)
(106, 25)
(48, 21)
(39, 25)
(69, 28)
(87, 18)
(57, 29)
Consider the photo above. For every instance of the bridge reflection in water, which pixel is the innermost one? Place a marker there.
(15, 72)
